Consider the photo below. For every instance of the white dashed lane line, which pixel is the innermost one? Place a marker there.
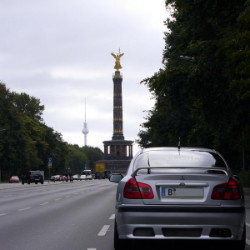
(58, 199)
(103, 230)
(3, 214)
(112, 217)
(247, 240)
(43, 204)
(91, 248)
(25, 208)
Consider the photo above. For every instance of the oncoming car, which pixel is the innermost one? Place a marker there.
(179, 194)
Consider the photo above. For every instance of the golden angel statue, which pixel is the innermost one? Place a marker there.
(117, 60)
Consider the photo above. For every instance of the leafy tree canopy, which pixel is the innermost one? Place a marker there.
(202, 92)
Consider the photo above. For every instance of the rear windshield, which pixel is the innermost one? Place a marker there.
(35, 172)
(180, 158)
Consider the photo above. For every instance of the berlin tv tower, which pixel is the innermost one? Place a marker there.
(85, 130)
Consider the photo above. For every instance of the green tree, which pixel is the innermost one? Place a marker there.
(56, 149)
(93, 154)
(201, 94)
(75, 159)
(25, 142)
(28, 105)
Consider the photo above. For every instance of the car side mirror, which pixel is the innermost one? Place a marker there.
(115, 178)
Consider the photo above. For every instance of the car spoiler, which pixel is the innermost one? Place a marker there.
(175, 170)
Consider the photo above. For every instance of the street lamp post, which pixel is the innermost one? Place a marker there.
(1, 130)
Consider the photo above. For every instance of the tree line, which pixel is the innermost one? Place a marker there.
(202, 92)
(26, 142)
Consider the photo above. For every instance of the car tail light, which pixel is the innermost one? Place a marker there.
(137, 190)
(31, 176)
(227, 191)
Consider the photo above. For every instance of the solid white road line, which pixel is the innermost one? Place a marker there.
(248, 242)
(2, 214)
(103, 230)
(43, 204)
(25, 208)
(91, 248)
(58, 199)
(112, 217)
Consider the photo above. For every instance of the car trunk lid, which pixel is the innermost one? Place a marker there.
(182, 188)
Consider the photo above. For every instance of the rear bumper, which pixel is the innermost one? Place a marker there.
(158, 222)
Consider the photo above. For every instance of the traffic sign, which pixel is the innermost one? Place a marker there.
(50, 162)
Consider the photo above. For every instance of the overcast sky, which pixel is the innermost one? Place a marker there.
(59, 52)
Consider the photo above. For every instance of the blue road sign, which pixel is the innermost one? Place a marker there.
(50, 160)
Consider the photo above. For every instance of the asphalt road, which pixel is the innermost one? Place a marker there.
(65, 216)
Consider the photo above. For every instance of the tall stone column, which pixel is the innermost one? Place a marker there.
(117, 107)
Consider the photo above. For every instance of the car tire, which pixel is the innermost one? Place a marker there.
(28, 182)
(118, 243)
(35, 182)
(41, 182)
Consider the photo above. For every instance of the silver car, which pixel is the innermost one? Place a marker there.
(179, 194)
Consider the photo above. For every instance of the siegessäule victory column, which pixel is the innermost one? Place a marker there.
(118, 152)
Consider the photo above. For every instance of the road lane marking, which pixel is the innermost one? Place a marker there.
(248, 242)
(112, 217)
(58, 199)
(91, 248)
(247, 224)
(43, 204)
(25, 208)
(103, 230)
(2, 214)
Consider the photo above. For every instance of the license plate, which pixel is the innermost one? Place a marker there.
(182, 193)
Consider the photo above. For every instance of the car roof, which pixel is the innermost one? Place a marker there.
(176, 148)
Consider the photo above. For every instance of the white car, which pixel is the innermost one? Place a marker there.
(75, 177)
(82, 177)
(88, 174)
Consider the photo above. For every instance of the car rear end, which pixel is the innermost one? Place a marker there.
(36, 176)
(14, 179)
(180, 194)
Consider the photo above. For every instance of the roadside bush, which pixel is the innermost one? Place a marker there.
(244, 178)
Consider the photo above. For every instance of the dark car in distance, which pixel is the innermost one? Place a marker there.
(32, 177)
